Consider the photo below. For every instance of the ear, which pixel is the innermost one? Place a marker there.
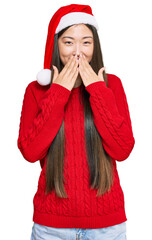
(100, 73)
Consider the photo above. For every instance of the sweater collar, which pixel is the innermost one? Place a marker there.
(77, 89)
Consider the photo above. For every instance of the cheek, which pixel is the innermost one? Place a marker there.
(89, 53)
(64, 53)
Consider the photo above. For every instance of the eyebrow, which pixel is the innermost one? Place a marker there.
(73, 38)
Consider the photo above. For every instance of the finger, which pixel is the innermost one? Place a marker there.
(67, 65)
(84, 65)
(74, 73)
(100, 73)
(72, 67)
(56, 73)
(82, 70)
(85, 69)
(102, 69)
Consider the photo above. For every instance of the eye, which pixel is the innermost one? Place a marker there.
(87, 42)
(68, 43)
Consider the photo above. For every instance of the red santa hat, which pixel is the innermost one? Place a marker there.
(63, 17)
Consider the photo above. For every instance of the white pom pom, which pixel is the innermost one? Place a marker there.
(44, 77)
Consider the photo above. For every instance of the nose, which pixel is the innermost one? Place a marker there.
(77, 50)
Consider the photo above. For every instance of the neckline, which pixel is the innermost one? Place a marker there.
(76, 89)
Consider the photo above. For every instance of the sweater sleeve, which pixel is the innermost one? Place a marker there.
(40, 121)
(111, 117)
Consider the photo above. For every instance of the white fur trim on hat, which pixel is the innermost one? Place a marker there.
(76, 18)
(44, 77)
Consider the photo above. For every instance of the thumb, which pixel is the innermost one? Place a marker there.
(56, 73)
(100, 73)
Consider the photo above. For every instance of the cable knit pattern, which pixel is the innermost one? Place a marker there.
(42, 114)
(117, 135)
(54, 100)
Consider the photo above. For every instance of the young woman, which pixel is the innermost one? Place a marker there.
(75, 120)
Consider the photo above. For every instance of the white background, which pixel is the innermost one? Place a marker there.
(125, 35)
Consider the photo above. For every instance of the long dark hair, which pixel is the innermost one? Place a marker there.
(99, 162)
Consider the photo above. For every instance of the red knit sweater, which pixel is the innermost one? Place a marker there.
(42, 114)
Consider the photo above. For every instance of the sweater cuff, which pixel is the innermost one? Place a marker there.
(63, 91)
(94, 86)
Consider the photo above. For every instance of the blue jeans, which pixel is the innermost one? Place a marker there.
(116, 232)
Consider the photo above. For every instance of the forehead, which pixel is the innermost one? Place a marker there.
(78, 30)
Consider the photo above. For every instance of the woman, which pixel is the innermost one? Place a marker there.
(75, 119)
